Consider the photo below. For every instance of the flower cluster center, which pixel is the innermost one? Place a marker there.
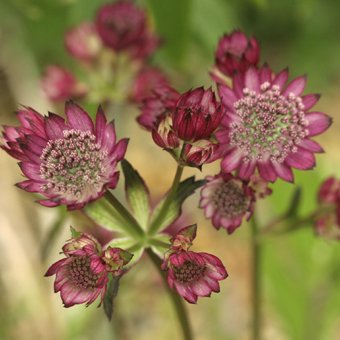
(189, 272)
(269, 125)
(81, 272)
(230, 199)
(73, 166)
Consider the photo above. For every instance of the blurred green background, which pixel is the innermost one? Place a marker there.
(301, 273)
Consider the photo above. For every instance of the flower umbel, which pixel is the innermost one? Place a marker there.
(268, 125)
(72, 162)
(227, 199)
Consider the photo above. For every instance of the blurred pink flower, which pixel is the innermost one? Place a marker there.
(268, 125)
(72, 162)
(227, 200)
(60, 84)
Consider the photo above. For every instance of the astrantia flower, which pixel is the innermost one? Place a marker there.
(197, 115)
(227, 200)
(83, 42)
(235, 53)
(83, 275)
(163, 134)
(160, 102)
(268, 125)
(194, 274)
(72, 162)
(123, 27)
(60, 84)
(327, 221)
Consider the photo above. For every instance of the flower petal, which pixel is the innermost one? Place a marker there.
(302, 159)
(318, 122)
(296, 86)
(78, 118)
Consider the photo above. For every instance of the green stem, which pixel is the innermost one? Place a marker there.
(175, 298)
(255, 282)
(125, 214)
(169, 198)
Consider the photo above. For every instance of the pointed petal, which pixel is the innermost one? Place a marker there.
(281, 78)
(100, 125)
(228, 97)
(283, 171)
(77, 117)
(231, 161)
(310, 100)
(302, 159)
(311, 145)
(119, 149)
(296, 86)
(267, 171)
(252, 79)
(30, 170)
(54, 126)
(246, 169)
(318, 122)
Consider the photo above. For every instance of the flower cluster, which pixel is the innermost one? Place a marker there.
(192, 274)
(83, 274)
(70, 162)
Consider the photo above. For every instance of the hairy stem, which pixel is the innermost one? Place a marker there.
(175, 298)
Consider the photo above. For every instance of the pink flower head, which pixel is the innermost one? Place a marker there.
(268, 125)
(147, 81)
(82, 275)
(123, 27)
(227, 200)
(194, 274)
(197, 115)
(115, 259)
(72, 162)
(160, 102)
(184, 238)
(327, 221)
(163, 134)
(83, 42)
(60, 84)
(235, 53)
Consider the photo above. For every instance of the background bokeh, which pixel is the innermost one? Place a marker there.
(301, 273)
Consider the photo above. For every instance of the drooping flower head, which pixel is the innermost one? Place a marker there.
(327, 221)
(123, 27)
(60, 84)
(192, 274)
(197, 115)
(82, 275)
(268, 125)
(70, 162)
(227, 200)
(235, 53)
(83, 42)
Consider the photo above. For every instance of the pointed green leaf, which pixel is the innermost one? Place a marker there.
(74, 232)
(136, 193)
(123, 242)
(160, 244)
(294, 203)
(110, 295)
(185, 189)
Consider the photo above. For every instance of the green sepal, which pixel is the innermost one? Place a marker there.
(74, 233)
(111, 293)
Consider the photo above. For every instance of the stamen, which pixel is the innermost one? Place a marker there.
(81, 272)
(189, 271)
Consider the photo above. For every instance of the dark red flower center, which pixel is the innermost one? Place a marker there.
(230, 200)
(269, 125)
(189, 272)
(73, 166)
(81, 272)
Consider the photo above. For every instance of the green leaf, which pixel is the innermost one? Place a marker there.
(110, 296)
(159, 244)
(102, 213)
(74, 232)
(137, 252)
(137, 193)
(295, 201)
(185, 189)
(123, 242)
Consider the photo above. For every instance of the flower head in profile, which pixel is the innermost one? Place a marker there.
(123, 27)
(327, 221)
(235, 53)
(192, 274)
(70, 162)
(60, 84)
(227, 200)
(268, 125)
(82, 276)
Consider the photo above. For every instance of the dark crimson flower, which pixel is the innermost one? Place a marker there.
(123, 27)
(163, 134)
(83, 42)
(327, 221)
(227, 200)
(199, 153)
(59, 84)
(162, 101)
(72, 162)
(235, 53)
(197, 115)
(268, 125)
(192, 274)
(83, 275)
(147, 81)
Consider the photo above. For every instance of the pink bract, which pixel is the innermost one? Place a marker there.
(227, 200)
(268, 125)
(70, 162)
(60, 84)
(194, 274)
(235, 53)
